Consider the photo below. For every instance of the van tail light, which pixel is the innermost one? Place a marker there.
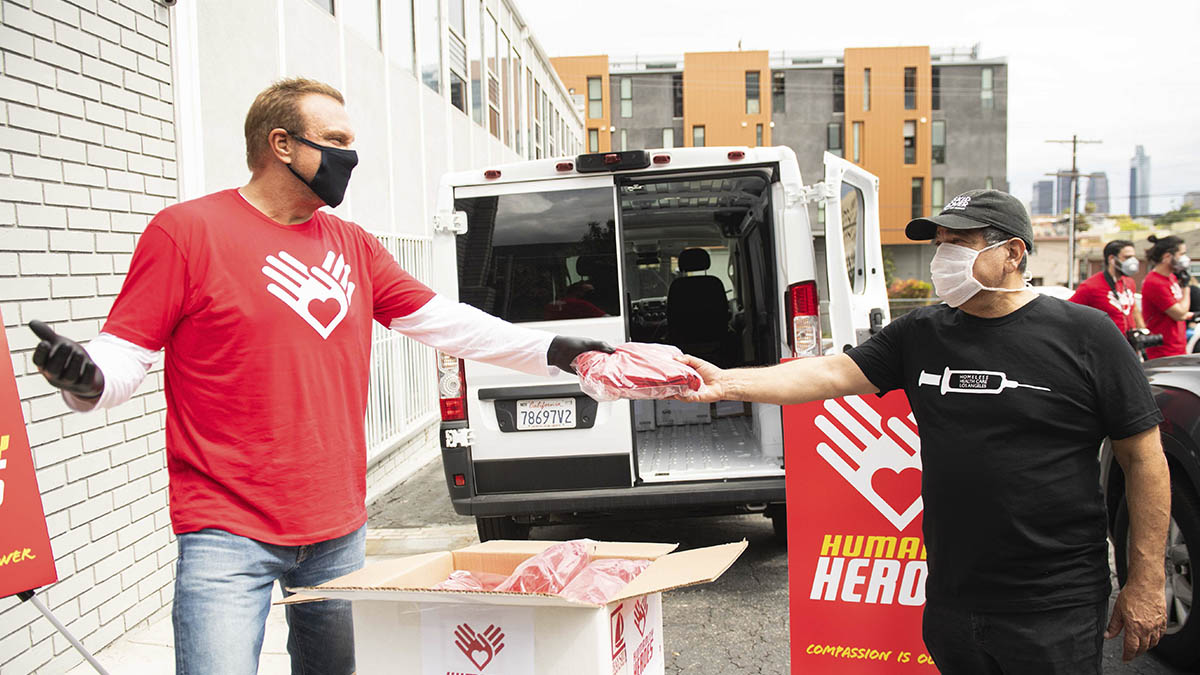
(452, 388)
(804, 317)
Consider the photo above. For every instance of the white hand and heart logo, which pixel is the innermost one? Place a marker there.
(319, 295)
(881, 459)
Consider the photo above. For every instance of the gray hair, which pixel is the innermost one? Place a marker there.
(995, 235)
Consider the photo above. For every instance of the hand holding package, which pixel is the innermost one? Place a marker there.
(636, 370)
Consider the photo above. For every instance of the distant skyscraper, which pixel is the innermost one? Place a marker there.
(1063, 205)
(1139, 183)
(1043, 198)
(1097, 192)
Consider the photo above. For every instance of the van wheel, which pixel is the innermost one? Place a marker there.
(778, 515)
(502, 527)
(1180, 645)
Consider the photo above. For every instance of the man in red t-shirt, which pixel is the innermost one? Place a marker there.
(1112, 289)
(1165, 302)
(264, 307)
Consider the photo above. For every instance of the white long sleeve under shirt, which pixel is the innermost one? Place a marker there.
(457, 329)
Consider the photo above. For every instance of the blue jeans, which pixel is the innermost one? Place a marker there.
(223, 594)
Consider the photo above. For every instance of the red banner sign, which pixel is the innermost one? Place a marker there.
(26, 562)
(856, 556)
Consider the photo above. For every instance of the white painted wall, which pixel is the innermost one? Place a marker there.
(87, 155)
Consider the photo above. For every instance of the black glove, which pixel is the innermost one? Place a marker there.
(1183, 276)
(564, 349)
(65, 364)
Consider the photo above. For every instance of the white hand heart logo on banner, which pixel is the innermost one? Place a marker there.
(319, 295)
(881, 459)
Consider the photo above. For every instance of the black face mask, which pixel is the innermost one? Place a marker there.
(332, 177)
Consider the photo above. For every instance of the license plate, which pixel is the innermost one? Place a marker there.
(546, 413)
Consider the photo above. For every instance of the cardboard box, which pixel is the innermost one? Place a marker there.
(676, 413)
(768, 428)
(643, 415)
(402, 626)
(729, 409)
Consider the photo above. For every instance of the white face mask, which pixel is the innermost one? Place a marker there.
(953, 274)
(1129, 267)
(1182, 261)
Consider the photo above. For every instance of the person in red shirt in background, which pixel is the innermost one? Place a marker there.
(264, 306)
(1166, 296)
(1112, 289)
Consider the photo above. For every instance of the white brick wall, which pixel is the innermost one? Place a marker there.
(87, 154)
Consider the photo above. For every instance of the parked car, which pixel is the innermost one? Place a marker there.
(1175, 382)
(707, 249)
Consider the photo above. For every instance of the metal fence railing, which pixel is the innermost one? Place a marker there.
(900, 306)
(400, 400)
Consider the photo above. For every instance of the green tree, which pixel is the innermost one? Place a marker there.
(1127, 224)
(1179, 215)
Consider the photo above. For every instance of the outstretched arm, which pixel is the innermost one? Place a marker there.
(466, 332)
(799, 381)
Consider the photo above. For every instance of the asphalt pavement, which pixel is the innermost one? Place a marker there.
(737, 625)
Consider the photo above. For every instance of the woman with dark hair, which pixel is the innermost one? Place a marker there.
(1165, 301)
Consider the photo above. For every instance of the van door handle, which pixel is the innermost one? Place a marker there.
(876, 320)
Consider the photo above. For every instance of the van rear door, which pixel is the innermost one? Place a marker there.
(857, 288)
(544, 254)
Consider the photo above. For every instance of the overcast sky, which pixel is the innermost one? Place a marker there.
(1126, 73)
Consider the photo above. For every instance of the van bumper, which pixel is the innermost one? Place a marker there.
(724, 496)
(699, 496)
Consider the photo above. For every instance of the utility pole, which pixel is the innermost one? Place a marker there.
(1075, 175)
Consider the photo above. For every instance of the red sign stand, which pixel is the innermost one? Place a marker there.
(26, 561)
(856, 555)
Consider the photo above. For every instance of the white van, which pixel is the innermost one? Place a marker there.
(707, 249)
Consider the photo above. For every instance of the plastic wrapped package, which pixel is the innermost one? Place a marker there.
(466, 580)
(636, 370)
(602, 579)
(551, 570)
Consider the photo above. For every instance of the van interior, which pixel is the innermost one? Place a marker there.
(692, 268)
(698, 274)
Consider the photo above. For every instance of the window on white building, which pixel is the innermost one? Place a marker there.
(398, 33)
(430, 43)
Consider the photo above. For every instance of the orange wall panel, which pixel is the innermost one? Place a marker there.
(883, 129)
(574, 71)
(714, 96)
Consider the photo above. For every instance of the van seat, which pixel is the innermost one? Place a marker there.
(698, 311)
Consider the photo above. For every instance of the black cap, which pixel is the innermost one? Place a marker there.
(974, 209)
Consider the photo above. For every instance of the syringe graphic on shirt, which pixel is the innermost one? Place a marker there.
(972, 382)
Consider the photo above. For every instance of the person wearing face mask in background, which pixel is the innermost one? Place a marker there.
(264, 305)
(1012, 393)
(1112, 290)
(1166, 295)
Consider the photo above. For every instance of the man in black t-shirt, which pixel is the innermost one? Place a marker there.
(1013, 394)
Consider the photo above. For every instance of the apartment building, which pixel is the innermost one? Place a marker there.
(930, 124)
(111, 110)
